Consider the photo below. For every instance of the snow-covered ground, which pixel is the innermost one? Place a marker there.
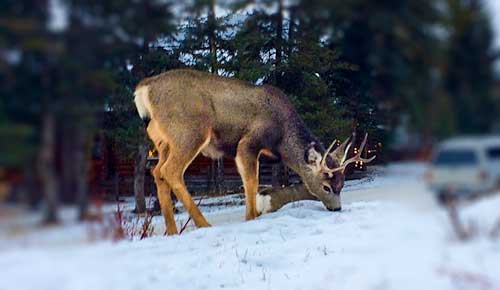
(390, 235)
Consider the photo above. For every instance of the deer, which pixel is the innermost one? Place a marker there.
(187, 112)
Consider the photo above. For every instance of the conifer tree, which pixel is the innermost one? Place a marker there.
(206, 44)
(469, 74)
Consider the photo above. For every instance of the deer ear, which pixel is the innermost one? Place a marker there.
(312, 156)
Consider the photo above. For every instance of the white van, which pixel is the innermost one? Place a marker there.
(465, 166)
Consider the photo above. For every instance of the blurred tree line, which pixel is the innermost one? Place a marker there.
(68, 69)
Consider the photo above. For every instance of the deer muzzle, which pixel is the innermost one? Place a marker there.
(331, 201)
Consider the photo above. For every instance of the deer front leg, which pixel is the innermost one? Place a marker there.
(247, 162)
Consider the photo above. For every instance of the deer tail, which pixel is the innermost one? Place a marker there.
(142, 103)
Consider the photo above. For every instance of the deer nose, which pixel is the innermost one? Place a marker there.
(334, 209)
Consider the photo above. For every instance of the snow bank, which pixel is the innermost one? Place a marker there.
(372, 244)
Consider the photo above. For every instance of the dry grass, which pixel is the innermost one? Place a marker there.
(462, 231)
(121, 225)
(468, 280)
(495, 232)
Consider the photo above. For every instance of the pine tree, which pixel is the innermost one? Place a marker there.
(289, 54)
(123, 126)
(205, 44)
(470, 57)
(26, 46)
(63, 76)
(136, 54)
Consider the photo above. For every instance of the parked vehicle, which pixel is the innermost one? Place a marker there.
(464, 167)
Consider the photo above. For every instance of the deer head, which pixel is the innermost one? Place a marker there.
(327, 171)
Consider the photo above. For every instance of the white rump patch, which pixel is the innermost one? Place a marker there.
(142, 102)
(263, 203)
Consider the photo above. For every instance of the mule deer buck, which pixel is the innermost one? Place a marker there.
(188, 112)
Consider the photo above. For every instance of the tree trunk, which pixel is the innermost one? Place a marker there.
(31, 188)
(216, 177)
(279, 43)
(276, 175)
(217, 165)
(277, 168)
(46, 167)
(211, 36)
(67, 163)
(116, 186)
(81, 171)
(286, 176)
(139, 173)
(214, 188)
(220, 175)
(291, 24)
(209, 178)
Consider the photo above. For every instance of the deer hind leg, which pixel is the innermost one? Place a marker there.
(181, 154)
(162, 187)
(164, 192)
(247, 162)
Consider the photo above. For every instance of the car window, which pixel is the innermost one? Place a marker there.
(493, 153)
(456, 157)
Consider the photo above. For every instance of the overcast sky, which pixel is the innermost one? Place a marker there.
(495, 14)
(59, 21)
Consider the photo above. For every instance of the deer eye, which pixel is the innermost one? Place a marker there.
(327, 189)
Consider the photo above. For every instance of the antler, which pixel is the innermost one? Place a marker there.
(340, 153)
(323, 159)
(343, 162)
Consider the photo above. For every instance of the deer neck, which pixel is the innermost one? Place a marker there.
(295, 143)
(272, 199)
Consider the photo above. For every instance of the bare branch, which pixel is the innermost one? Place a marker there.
(459, 229)
(189, 219)
(495, 232)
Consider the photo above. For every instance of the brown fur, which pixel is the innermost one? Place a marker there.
(193, 112)
(282, 196)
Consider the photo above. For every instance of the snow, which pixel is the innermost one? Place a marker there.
(390, 235)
